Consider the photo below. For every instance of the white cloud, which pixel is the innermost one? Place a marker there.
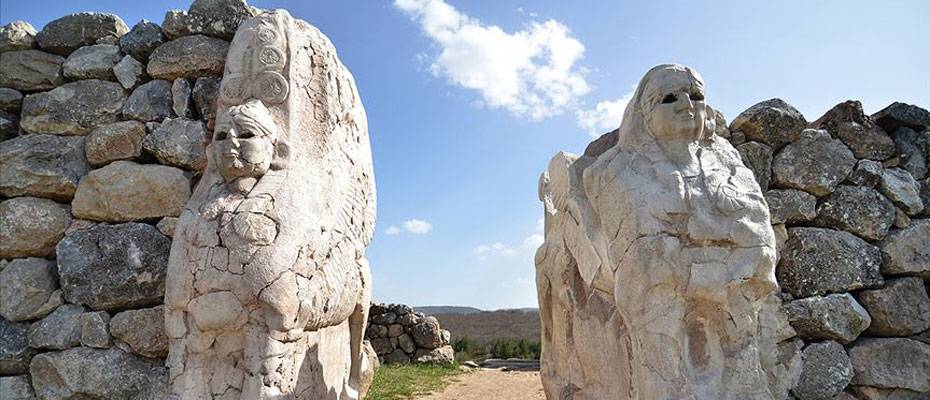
(531, 72)
(417, 226)
(392, 230)
(498, 248)
(533, 241)
(605, 116)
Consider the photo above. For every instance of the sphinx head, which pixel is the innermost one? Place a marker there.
(672, 102)
(246, 142)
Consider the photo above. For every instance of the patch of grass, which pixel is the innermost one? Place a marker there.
(400, 382)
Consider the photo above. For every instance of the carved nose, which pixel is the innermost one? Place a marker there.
(684, 101)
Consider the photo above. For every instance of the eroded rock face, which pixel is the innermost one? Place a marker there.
(31, 227)
(149, 102)
(116, 141)
(142, 330)
(907, 252)
(836, 317)
(815, 163)
(92, 62)
(901, 308)
(116, 375)
(114, 267)
(142, 40)
(859, 210)
(188, 57)
(891, 363)
(179, 142)
(129, 72)
(17, 35)
(125, 191)
(901, 188)
(218, 18)
(826, 373)
(791, 205)
(246, 265)
(847, 122)
(898, 114)
(649, 243)
(66, 34)
(30, 70)
(42, 166)
(74, 108)
(817, 261)
(29, 289)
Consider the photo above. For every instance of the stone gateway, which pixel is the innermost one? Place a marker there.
(658, 258)
(268, 288)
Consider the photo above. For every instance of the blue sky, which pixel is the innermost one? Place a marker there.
(467, 101)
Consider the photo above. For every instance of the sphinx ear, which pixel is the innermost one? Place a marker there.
(282, 153)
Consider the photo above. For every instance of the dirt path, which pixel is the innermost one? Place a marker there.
(492, 384)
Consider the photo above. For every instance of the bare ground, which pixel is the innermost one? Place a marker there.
(492, 384)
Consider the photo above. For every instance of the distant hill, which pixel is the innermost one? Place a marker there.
(433, 310)
(485, 326)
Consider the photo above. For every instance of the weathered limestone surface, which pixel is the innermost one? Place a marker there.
(833, 317)
(15, 352)
(92, 62)
(29, 289)
(659, 258)
(88, 373)
(143, 331)
(16, 388)
(891, 363)
(142, 40)
(66, 34)
(30, 70)
(42, 166)
(125, 191)
(400, 335)
(74, 108)
(907, 252)
(31, 227)
(268, 288)
(827, 371)
(847, 122)
(817, 261)
(17, 35)
(179, 142)
(218, 18)
(116, 141)
(815, 163)
(113, 267)
(901, 308)
(772, 122)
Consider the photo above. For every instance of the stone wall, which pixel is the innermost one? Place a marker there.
(103, 130)
(849, 196)
(400, 335)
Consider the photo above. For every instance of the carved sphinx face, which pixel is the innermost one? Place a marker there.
(244, 141)
(673, 105)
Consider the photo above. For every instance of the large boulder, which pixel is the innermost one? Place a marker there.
(427, 333)
(219, 18)
(791, 206)
(901, 308)
(149, 102)
(87, 373)
(114, 267)
(901, 188)
(31, 227)
(74, 108)
(126, 191)
(60, 330)
(833, 317)
(143, 331)
(898, 114)
(142, 40)
(439, 355)
(30, 70)
(17, 35)
(816, 163)
(907, 252)
(95, 329)
(42, 166)
(891, 363)
(92, 62)
(867, 173)
(15, 352)
(913, 151)
(188, 57)
(181, 101)
(826, 371)
(116, 141)
(66, 34)
(847, 122)
(29, 289)
(860, 210)
(772, 122)
(817, 261)
(758, 158)
(179, 142)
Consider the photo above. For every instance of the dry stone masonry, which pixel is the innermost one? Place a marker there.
(848, 197)
(400, 335)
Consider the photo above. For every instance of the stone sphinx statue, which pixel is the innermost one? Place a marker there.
(658, 256)
(268, 286)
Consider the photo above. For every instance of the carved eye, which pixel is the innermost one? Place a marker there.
(220, 135)
(669, 99)
(246, 135)
(696, 96)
